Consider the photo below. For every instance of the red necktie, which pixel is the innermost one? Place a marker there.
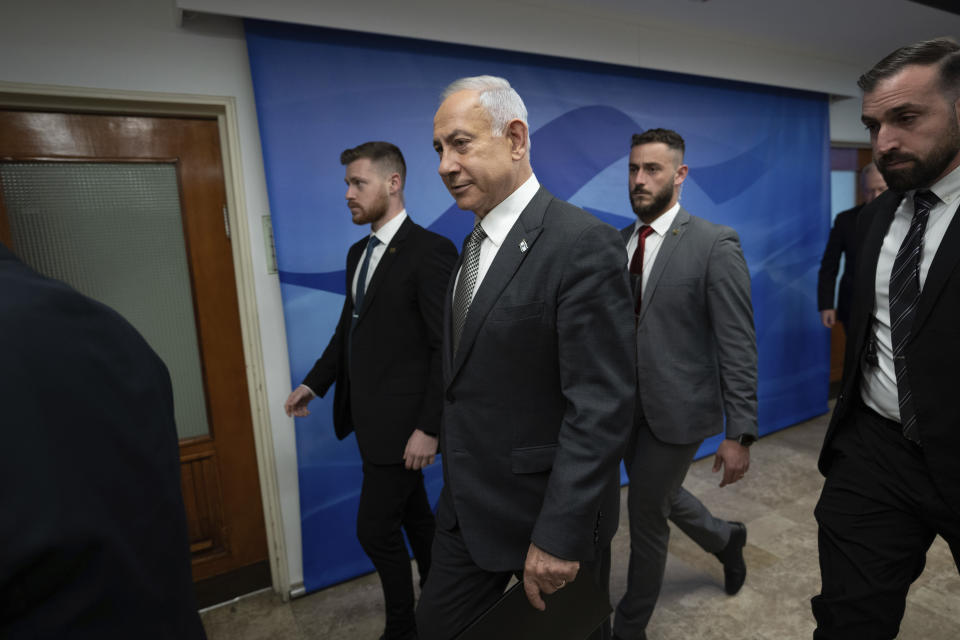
(636, 263)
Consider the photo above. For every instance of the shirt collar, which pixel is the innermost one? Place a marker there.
(947, 188)
(500, 220)
(387, 231)
(663, 222)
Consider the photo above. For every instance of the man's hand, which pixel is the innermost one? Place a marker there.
(828, 317)
(545, 573)
(297, 401)
(421, 450)
(735, 460)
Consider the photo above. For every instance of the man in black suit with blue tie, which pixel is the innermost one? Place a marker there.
(890, 452)
(385, 360)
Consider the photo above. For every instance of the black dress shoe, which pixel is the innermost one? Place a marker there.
(734, 568)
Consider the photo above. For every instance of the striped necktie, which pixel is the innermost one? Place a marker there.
(463, 296)
(904, 296)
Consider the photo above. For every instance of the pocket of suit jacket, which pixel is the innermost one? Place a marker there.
(535, 459)
(517, 312)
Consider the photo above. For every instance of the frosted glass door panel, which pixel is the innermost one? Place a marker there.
(113, 231)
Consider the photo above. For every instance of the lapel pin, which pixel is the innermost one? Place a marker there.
(394, 249)
(523, 246)
(676, 231)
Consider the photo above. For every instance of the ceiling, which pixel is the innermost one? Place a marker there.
(853, 32)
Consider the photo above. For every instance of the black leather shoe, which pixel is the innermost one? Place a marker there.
(734, 568)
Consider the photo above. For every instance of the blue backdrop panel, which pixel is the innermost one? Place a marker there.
(758, 161)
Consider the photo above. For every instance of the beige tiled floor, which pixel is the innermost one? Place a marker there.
(776, 501)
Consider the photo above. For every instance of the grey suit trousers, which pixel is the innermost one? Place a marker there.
(656, 471)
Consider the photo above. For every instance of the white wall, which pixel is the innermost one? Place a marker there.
(137, 45)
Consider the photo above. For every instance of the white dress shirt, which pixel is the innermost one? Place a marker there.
(651, 247)
(879, 385)
(384, 234)
(497, 225)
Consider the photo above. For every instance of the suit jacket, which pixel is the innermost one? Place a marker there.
(932, 352)
(842, 240)
(539, 397)
(391, 385)
(696, 348)
(93, 536)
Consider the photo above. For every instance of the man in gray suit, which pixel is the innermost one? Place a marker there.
(696, 365)
(538, 374)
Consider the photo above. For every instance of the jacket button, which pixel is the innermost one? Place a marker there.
(450, 397)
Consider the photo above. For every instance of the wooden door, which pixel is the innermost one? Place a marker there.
(219, 475)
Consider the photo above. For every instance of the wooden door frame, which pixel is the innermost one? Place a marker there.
(224, 109)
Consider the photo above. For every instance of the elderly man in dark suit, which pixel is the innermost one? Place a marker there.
(843, 242)
(696, 373)
(385, 360)
(93, 536)
(538, 374)
(890, 452)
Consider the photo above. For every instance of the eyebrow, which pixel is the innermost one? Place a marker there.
(454, 134)
(900, 108)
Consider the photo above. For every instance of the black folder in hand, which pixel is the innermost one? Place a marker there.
(573, 613)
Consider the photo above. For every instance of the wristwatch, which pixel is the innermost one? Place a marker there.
(745, 439)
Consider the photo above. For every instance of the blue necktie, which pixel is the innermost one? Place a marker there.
(362, 278)
(361, 290)
(904, 296)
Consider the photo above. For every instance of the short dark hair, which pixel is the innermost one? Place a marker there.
(669, 137)
(385, 154)
(944, 52)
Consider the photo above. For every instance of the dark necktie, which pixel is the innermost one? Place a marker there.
(636, 263)
(463, 296)
(904, 296)
(362, 278)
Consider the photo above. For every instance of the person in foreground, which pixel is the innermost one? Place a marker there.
(890, 452)
(843, 242)
(93, 535)
(539, 374)
(696, 367)
(385, 359)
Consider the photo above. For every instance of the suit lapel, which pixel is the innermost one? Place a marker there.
(944, 263)
(353, 261)
(448, 318)
(509, 256)
(384, 266)
(670, 242)
(625, 233)
(878, 223)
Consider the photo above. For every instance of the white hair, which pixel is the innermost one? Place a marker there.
(501, 101)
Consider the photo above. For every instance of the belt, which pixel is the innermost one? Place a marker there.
(880, 419)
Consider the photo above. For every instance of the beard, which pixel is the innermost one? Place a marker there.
(369, 215)
(649, 212)
(924, 170)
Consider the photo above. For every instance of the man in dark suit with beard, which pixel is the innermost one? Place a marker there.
(385, 360)
(890, 452)
(538, 374)
(696, 373)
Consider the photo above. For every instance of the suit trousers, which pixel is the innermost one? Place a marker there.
(459, 591)
(656, 470)
(878, 513)
(394, 498)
